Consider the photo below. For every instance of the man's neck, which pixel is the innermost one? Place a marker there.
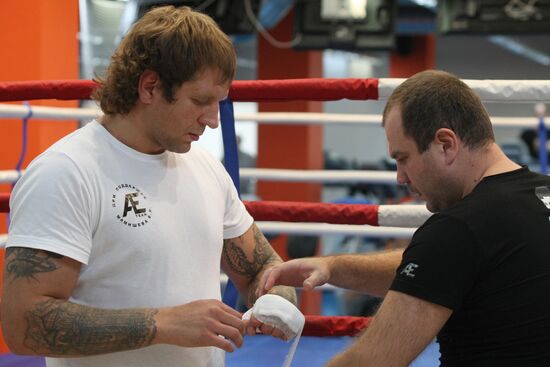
(126, 129)
(486, 161)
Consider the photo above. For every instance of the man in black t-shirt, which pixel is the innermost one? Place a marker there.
(477, 273)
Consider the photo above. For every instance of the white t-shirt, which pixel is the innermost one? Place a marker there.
(148, 230)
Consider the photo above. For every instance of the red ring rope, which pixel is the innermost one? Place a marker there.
(316, 89)
(4, 202)
(292, 211)
(313, 212)
(334, 325)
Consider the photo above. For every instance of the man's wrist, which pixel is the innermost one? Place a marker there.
(289, 293)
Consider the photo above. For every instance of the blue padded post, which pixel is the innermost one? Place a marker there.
(231, 162)
(543, 152)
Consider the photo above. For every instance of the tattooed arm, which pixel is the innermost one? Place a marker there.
(246, 258)
(37, 317)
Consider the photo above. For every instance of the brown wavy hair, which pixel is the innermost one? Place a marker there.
(435, 99)
(176, 43)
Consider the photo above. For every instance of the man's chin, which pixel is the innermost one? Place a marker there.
(432, 208)
(180, 149)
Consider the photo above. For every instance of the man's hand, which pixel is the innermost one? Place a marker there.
(199, 324)
(255, 326)
(307, 272)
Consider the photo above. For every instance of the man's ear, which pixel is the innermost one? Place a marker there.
(147, 83)
(449, 143)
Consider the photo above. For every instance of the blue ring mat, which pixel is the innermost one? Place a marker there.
(266, 351)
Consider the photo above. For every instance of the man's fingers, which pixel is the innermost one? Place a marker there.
(277, 333)
(266, 329)
(250, 330)
(260, 290)
(219, 341)
(312, 281)
(272, 276)
(230, 333)
(231, 310)
(254, 326)
(229, 326)
(232, 319)
(254, 322)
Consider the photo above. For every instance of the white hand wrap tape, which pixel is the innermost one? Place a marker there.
(278, 312)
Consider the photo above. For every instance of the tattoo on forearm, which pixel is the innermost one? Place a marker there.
(56, 327)
(22, 262)
(262, 255)
(251, 296)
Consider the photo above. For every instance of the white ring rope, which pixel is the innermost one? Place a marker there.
(9, 176)
(316, 118)
(44, 112)
(316, 229)
(409, 216)
(522, 91)
(326, 176)
(326, 229)
(287, 118)
(288, 175)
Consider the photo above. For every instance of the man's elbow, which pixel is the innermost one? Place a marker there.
(14, 342)
(14, 336)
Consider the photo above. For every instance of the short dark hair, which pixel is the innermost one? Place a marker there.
(176, 43)
(435, 99)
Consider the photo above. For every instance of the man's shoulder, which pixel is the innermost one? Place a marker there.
(445, 222)
(69, 154)
(80, 140)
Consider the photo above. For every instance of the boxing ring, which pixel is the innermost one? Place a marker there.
(323, 336)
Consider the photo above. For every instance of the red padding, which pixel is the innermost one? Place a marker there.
(334, 325)
(292, 211)
(314, 89)
(286, 211)
(4, 202)
(46, 89)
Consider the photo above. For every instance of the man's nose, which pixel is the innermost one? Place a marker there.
(210, 121)
(210, 117)
(402, 177)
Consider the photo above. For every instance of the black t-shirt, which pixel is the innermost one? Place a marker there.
(488, 259)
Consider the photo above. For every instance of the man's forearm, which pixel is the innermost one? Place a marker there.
(61, 328)
(368, 273)
(251, 267)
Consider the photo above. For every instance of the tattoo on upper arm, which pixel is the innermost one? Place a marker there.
(22, 262)
(236, 258)
(262, 255)
(62, 328)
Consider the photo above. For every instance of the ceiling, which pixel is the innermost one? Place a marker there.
(101, 30)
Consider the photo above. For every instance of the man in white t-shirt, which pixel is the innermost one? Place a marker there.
(119, 229)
